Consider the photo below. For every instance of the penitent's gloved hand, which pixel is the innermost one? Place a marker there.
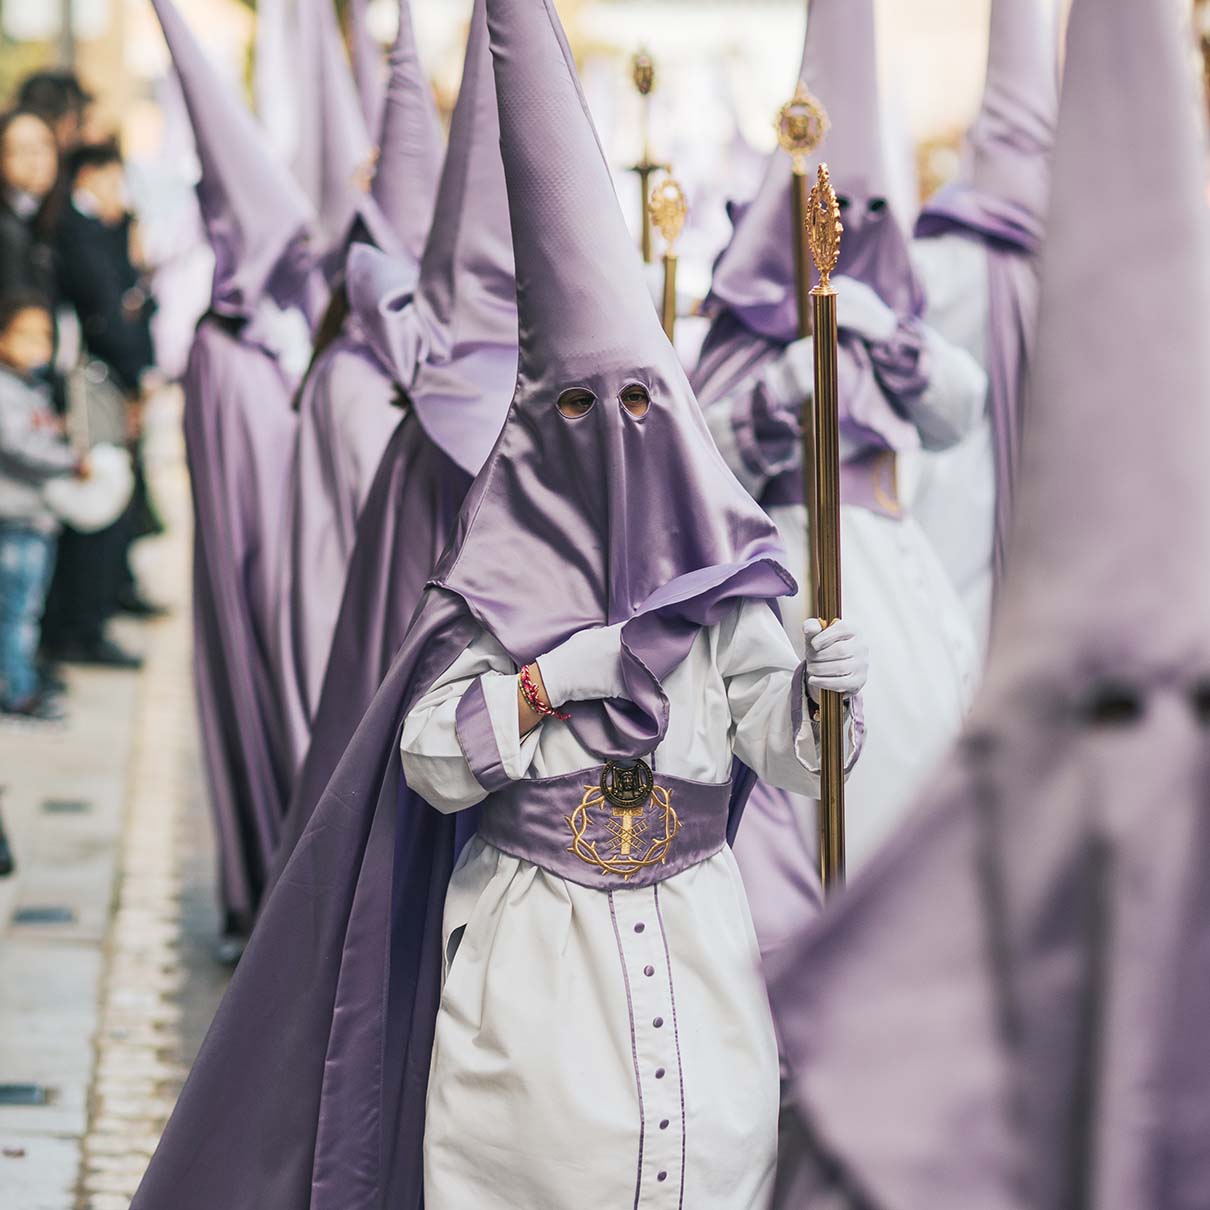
(837, 658)
(790, 381)
(585, 668)
(860, 310)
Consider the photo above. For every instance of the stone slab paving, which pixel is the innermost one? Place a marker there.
(108, 1007)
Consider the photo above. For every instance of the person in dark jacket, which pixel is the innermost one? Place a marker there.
(97, 277)
(29, 168)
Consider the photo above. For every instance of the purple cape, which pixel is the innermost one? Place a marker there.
(345, 421)
(404, 526)
(238, 432)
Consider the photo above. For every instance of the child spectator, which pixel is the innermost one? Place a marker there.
(32, 451)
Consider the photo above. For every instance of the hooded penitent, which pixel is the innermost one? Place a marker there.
(754, 278)
(257, 221)
(330, 1017)
(238, 431)
(753, 300)
(991, 1015)
(345, 408)
(1000, 199)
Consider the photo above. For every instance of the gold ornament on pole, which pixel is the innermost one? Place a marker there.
(824, 230)
(668, 210)
(643, 74)
(802, 124)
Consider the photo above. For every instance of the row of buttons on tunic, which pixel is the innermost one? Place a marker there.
(651, 1052)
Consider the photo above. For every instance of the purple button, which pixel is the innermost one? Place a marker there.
(659, 1073)
(658, 1023)
(638, 928)
(661, 1176)
(649, 971)
(664, 1124)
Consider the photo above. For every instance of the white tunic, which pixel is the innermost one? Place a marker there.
(607, 1049)
(955, 493)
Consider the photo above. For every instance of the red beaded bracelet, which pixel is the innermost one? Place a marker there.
(533, 699)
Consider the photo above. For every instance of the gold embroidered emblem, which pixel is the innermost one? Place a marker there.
(625, 823)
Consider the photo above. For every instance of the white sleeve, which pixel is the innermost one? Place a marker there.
(461, 739)
(953, 403)
(773, 733)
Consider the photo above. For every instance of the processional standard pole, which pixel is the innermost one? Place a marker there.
(801, 127)
(825, 229)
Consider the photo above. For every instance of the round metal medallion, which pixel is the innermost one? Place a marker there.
(627, 786)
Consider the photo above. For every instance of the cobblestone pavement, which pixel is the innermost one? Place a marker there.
(107, 978)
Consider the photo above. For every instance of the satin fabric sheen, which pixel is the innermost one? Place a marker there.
(238, 431)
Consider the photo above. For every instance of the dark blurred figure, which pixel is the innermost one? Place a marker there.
(29, 170)
(62, 100)
(98, 278)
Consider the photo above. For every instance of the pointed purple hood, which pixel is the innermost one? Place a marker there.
(451, 341)
(333, 146)
(1009, 146)
(754, 277)
(613, 515)
(253, 212)
(981, 1018)
(367, 64)
(398, 211)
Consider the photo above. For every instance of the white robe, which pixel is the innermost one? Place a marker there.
(954, 498)
(608, 1049)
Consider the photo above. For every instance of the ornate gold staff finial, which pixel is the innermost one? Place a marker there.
(802, 123)
(642, 68)
(668, 210)
(824, 229)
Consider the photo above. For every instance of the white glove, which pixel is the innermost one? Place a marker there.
(586, 668)
(837, 658)
(791, 378)
(860, 310)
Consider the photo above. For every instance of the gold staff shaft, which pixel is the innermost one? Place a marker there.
(668, 309)
(825, 559)
(823, 224)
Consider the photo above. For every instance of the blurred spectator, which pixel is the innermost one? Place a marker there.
(98, 277)
(97, 274)
(29, 168)
(32, 451)
(62, 100)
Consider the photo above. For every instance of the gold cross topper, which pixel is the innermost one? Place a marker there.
(642, 68)
(824, 228)
(802, 124)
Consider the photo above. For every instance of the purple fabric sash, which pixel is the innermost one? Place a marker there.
(562, 823)
(868, 481)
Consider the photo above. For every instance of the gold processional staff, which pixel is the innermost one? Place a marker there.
(802, 125)
(668, 211)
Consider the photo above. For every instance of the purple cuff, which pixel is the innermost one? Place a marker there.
(798, 696)
(766, 436)
(856, 713)
(477, 739)
(902, 363)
